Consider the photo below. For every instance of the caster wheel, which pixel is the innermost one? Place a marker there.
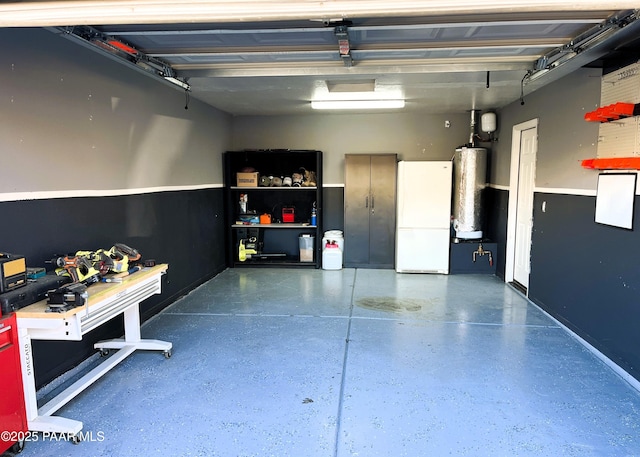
(17, 448)
(167, 354)
(104, 352)
(77, 439)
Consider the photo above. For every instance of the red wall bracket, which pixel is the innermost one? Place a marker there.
(613, 112)
(613, 163)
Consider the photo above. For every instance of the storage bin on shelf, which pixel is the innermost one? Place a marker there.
(306, 241)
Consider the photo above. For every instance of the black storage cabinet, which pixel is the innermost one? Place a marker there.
(279, 240)
(370, 210)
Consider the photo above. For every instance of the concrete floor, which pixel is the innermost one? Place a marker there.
(303, 362)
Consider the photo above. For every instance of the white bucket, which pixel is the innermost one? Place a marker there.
(332, 256)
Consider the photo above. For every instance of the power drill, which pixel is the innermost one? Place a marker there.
(79, 268)
(246, 251)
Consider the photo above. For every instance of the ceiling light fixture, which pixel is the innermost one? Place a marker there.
(356, 104)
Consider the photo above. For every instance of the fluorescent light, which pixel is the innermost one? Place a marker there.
(357, 104)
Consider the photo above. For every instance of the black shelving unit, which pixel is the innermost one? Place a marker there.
(278, 242)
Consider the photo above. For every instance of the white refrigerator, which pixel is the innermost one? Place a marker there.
(423, 217)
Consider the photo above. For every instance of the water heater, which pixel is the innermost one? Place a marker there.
(470, 180)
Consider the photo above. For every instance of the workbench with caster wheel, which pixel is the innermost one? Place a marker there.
(106, 301)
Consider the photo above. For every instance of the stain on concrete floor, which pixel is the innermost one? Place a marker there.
(391, 304)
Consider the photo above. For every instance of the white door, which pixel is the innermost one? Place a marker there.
(524, 211)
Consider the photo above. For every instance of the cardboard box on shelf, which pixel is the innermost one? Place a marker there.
(247, 179)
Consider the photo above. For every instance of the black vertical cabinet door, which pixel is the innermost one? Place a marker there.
(356, 209)
(382, 217)
(370, 210)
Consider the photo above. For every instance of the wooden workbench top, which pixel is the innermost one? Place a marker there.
(97, 292)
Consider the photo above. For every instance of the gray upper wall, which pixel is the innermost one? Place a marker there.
(72, 119)
(564, 137)
(411, 136)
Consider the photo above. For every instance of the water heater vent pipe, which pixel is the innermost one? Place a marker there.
(473, 133)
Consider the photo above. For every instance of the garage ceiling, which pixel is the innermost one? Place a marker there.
(274, 57)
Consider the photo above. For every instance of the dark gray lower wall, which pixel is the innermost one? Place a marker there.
(587, 275)
(184, 229)
(497, 208)
(584, 274)
(333, 214)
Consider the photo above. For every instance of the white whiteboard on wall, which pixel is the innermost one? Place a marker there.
(615, 199)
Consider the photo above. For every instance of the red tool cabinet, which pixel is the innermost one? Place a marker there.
(12, 410)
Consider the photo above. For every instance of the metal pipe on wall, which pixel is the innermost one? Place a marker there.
(472, 128)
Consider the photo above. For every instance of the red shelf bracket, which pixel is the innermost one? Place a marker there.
(613, 112)
(612, 163)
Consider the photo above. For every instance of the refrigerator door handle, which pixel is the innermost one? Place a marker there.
(373, 204)
(366, 201)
